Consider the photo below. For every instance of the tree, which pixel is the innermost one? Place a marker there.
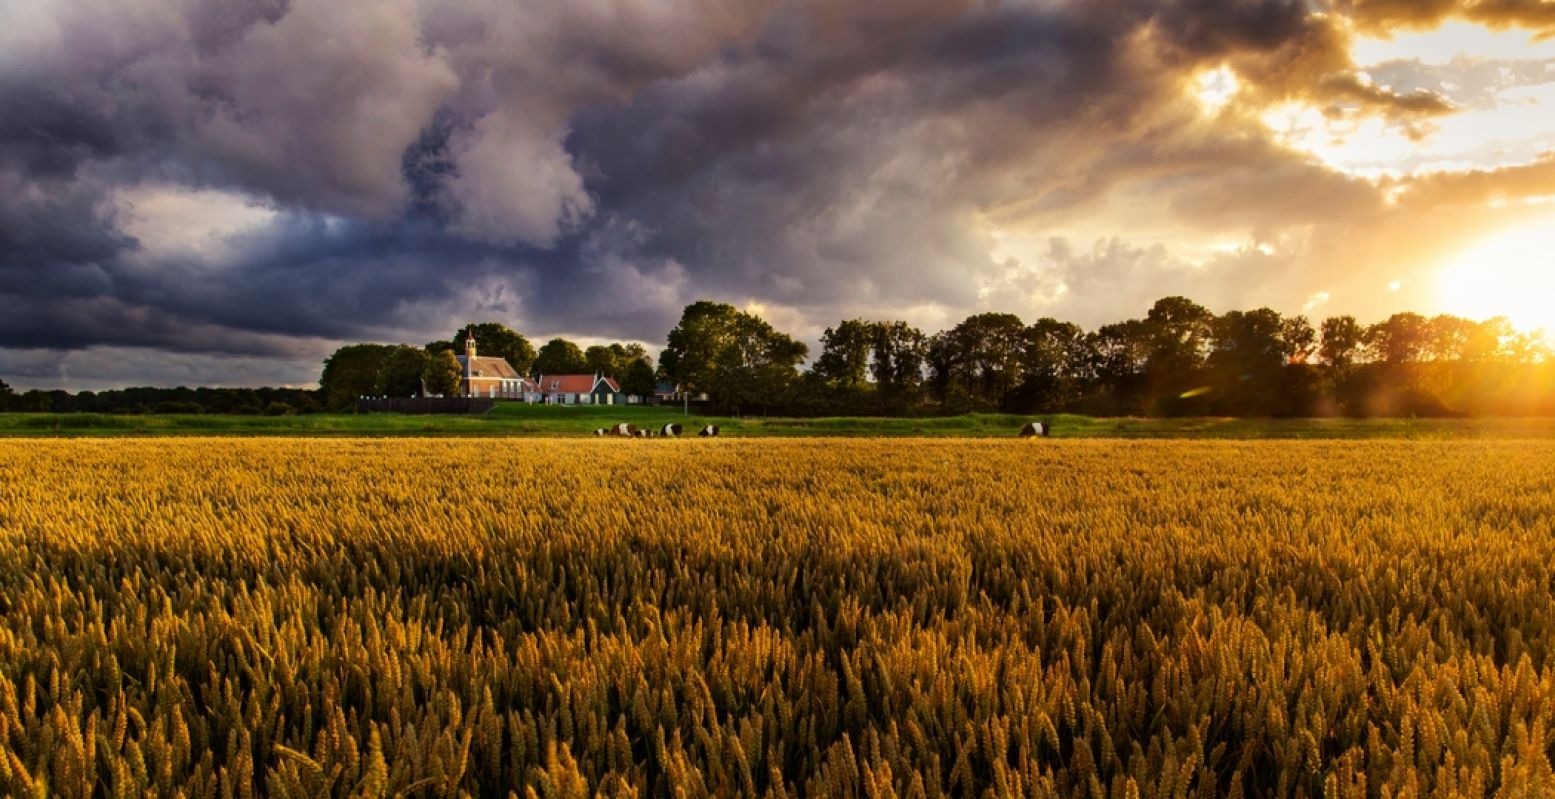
(6, 394)
(1052, 358)
(613, 359)
(637, 378)
(689, 358)
(1487, 340)
(1298, 338)
(979, 358)
(1249, 343)
(1115, 357)
(760, 367)
(493, 339)
(560, 357)
(1401, 338)
(845, 353)
(943, 358)
(897, 359)
(401, 371)
(735, 357)
(442, 374)
(631, 352)
(600, 360)
(1179, 331)
(1342, 340)
(350, 373)
(1250, 350)
(1447, 337)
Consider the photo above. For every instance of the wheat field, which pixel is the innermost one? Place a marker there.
(829, 618)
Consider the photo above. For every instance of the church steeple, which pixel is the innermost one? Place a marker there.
(469, 361)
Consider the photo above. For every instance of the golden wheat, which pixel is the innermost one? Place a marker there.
(778, 618)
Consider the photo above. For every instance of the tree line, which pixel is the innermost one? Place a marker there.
(1179, 359)
(148, 400)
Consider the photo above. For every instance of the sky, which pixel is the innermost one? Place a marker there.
(221, 192)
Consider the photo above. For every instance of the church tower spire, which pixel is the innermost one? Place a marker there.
(469, 360)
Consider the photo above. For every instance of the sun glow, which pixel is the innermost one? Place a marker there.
(1215, 89)
(1510, 274)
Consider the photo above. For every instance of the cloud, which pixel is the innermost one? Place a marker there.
(1383, 15)
(1132, 277)
(1481, 186)
(510, 187)
(318, 106)
(200, 178)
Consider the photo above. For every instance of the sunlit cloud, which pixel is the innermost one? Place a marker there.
(1215, 89)
(1452, 40)
(174, 222)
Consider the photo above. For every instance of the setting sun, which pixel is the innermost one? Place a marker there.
(1510, 274)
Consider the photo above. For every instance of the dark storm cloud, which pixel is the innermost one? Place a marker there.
(590, 167)
(47, 136)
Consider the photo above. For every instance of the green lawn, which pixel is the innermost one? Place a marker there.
(509, 419)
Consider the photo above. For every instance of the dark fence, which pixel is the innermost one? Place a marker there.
(426, 405)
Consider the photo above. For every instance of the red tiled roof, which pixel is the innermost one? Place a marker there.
(572, 384)
(488, 367)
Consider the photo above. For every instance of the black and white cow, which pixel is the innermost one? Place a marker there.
(1035, 429)
(709, 431)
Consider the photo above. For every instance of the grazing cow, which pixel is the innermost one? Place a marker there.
(599, 431)
(671, 429)
(1034, 429)
(624, 429)
(709, 431)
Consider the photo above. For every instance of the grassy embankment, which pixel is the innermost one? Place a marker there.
(521, 420)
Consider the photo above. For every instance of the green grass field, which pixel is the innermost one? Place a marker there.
(531, 420)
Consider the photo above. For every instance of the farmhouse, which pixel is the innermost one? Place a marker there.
(594, 389)
(489, 377)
